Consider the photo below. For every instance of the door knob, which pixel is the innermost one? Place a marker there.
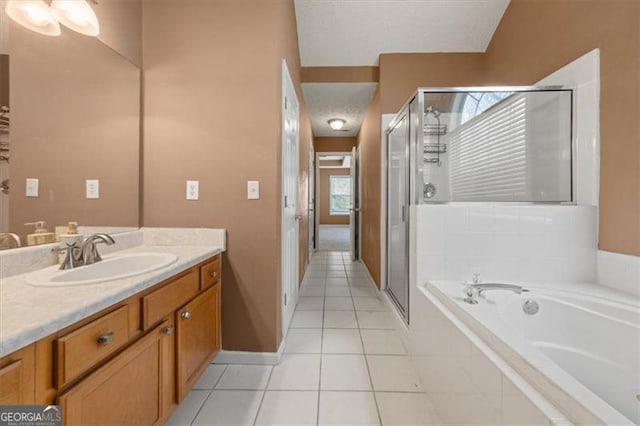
(168, 330)
(186, 315)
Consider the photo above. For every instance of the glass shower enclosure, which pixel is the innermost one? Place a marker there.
(474, 144)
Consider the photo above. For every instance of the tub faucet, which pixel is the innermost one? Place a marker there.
(473, 291)
(89, 250)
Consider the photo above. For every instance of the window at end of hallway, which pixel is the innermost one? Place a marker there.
(339, 195)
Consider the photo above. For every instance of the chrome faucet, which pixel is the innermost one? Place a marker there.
(73, 256)
(89, 250)
(85, 253)
(473, 291)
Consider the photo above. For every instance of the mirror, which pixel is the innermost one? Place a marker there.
(72, 115)
(496, 145)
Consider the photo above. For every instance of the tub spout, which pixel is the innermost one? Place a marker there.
(473, 291)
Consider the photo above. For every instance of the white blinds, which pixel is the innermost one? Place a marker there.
(489, 154)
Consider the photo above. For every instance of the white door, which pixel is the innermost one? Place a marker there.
(311, 219)
(290, 135)
(354, 208)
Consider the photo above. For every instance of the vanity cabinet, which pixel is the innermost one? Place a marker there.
(129, 389)
(133, 362)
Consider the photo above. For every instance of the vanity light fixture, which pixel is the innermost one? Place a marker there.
(336, 123)
(38, 16)
(76, 15)
(35, 15)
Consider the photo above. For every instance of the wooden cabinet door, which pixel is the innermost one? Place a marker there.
(17, 377)
(198, 337)
(129, 389)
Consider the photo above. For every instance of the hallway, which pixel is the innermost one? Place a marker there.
(333, 238)
(343, 363)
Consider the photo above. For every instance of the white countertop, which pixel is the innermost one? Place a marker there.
(28, 313)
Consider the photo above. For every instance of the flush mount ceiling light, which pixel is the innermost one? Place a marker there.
(76, 15)
(336, 123)
(35, 15)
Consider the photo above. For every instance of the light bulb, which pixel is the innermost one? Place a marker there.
(336, 123)
(35, 15)
(76, 15)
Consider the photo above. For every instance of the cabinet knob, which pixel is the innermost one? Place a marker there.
(186, 315)
(105, 339)
(168, 329)
(213, 274)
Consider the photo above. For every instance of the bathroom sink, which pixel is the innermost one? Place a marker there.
(112, 267)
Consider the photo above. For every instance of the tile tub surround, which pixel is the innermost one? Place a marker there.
(505, 242)
(464, 378)
(619, 271)
(485, 326)
(29, 313)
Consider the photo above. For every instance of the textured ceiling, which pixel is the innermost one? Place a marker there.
(348, 101)
(355, 32)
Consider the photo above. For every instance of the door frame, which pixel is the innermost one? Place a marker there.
(311, 206)
(405, 112)
(288, 301)
(317, 190)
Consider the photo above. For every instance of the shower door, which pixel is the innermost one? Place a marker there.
(398, 211)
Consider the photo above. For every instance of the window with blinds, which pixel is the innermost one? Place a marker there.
(489, 154)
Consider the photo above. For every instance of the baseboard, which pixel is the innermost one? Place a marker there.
(253, 358)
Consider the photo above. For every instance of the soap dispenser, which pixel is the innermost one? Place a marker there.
(40, 235)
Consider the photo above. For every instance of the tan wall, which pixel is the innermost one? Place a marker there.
(205, 76)
(329, 144)
(325, 217)
(75, 109)
(370, 198)
(339, 74)
(524, 50)
(402, 73)
(121, 27)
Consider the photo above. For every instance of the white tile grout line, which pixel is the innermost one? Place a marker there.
(209, 395)
(264, 393)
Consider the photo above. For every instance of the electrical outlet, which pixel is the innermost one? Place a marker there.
(93, 189)
(32, 187)
(253, 190)
(193, 190)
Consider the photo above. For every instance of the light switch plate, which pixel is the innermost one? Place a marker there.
(32, 187)
(253, 190)
(193, 190)
(93, 189)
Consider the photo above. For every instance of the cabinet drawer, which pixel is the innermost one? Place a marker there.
(210, 273)
(80, 350)
(162, 302)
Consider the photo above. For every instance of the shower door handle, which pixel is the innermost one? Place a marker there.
(404, 213)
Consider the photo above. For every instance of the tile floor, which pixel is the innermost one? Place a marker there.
(333, 238)
(343, 364)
